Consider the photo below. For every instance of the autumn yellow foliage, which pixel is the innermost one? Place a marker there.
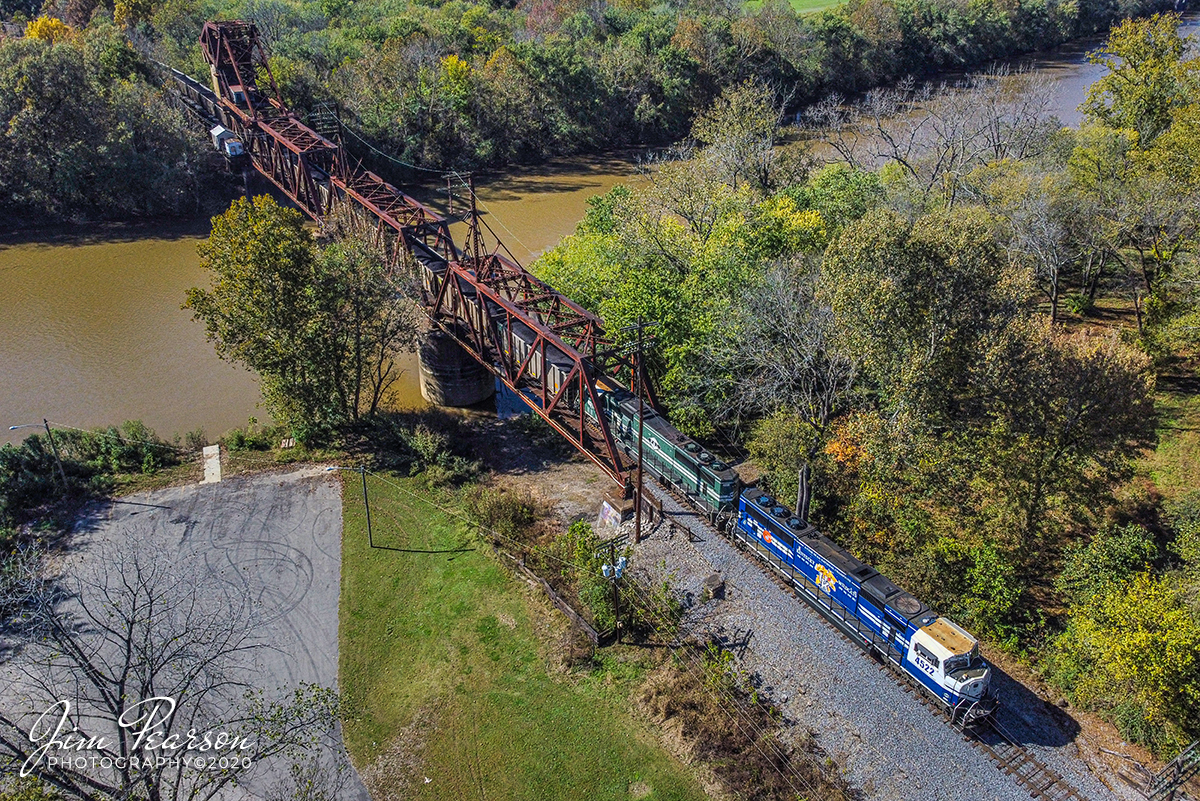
(457, 70)
(49, 29)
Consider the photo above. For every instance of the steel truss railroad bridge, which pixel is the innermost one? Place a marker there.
(475, 293)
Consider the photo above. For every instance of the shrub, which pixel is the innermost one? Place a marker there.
(1184, 517)
(1132, 653)
(1109, 560)
(131, 448)
(195, 440)
(428, 445)
(1079, 302)
(249, 438)
(28, 478)
(494, 512)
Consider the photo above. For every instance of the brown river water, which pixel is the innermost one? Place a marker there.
(92, 333)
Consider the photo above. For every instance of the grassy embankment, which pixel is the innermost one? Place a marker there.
(443, 648)
(800, 6)
(1174, 466)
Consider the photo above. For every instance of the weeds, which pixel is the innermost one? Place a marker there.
(429, 444)
(506, 518)
(722, 722)
(250, 438)
(30, 481)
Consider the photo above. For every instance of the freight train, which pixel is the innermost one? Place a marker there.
(934, 653)
(937, 655)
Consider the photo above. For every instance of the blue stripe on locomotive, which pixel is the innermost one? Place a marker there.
(803, 559)
(920, 671)
(869, 615)
(844, 589)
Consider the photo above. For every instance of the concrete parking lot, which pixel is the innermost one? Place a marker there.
(273, 538)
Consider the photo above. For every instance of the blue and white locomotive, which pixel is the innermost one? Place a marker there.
(933, 652)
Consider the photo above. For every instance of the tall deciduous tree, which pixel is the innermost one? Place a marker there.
(320, 326)
(935, 137)
(1147, 79)
(1062, 416)
(114, 640)
(738, 132)
(783, 360)
(915, 302)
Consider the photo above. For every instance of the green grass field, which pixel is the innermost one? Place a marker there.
(1174, 465)
(448, 640)
(801, 6)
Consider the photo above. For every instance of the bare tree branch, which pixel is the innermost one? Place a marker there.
(139, 668)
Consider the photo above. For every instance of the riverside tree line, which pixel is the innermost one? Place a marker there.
(945, 344)
(453, 84)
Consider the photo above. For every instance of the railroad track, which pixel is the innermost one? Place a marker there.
(987, 736)
(1015, 760)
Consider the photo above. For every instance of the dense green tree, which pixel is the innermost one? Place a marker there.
(319, 326)
(1064, 416)
(1148, 77)
(838, 192)
(1106, 562)
(684, 250)
(88, 133)
(917, 302)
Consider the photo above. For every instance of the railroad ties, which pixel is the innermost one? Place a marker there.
(1016, 760)
(988, 736)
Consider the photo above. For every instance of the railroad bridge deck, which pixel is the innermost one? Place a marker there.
(477, 293)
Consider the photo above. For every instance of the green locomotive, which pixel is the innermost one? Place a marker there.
(670, 456)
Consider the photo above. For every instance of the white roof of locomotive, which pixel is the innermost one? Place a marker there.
(946, 638)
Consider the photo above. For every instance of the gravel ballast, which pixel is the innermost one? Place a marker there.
(886, 741)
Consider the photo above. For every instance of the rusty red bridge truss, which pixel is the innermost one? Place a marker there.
(550, 351)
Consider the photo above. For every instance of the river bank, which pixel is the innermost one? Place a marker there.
(92, 333)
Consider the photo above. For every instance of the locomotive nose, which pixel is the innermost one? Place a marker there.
(975, 683)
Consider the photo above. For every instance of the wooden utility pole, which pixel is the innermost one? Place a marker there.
(641, 386)
(367, 505)
(53, 447)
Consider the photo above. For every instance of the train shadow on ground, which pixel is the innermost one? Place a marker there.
(1030, 720)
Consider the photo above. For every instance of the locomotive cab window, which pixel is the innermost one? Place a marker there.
(926, 654)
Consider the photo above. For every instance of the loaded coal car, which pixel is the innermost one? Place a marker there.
(672, 457)
(932, 652)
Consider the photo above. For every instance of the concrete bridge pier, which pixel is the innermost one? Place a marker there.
(449, 375)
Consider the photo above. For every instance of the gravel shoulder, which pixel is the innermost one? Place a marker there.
(888, 743)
